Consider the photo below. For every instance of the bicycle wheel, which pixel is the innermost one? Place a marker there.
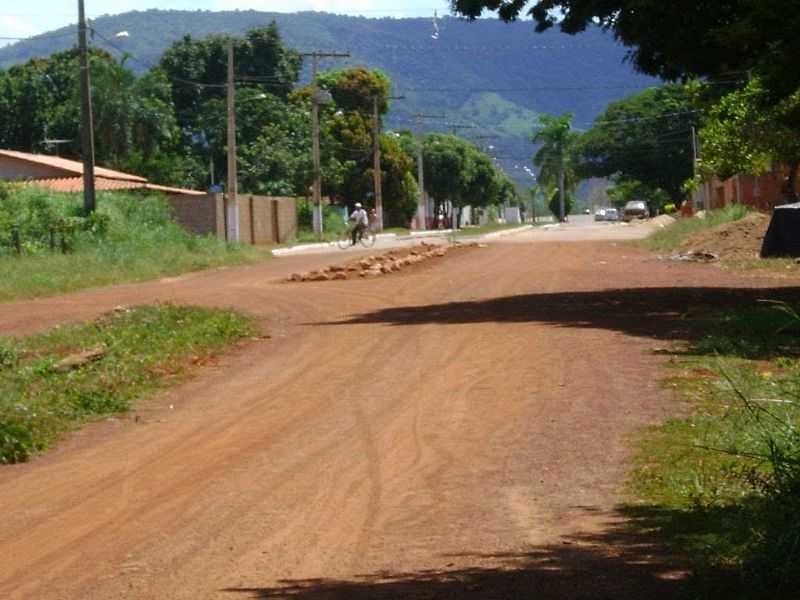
(368, 239)
(344, 241)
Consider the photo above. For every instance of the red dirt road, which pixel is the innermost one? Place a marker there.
(457, 432)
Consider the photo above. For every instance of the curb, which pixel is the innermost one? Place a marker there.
(320, 245)
(497, 234)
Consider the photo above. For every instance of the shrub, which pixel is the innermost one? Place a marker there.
(554, 204)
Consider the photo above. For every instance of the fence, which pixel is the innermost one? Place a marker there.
(262, 219)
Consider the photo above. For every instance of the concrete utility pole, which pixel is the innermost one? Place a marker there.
(376, 159)
(316, 100)
(699, 195)
(561, 207)
(421, 208)
(87, 127)
(231, 204)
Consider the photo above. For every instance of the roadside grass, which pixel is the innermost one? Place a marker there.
(138, 241)
(669, 238)
(722, 485)
(144, 348)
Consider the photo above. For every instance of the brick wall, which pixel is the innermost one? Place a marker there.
(262, 219)
(198, 214)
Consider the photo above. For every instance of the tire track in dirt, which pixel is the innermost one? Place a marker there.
(352, 445)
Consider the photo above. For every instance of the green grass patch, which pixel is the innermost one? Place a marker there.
(723, 484)
(144, 349)
(669, 238)
(134, 238)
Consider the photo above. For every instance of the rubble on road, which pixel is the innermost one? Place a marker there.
(692, 256)
(392, 261)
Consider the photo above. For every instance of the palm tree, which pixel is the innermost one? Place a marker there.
(557, 138)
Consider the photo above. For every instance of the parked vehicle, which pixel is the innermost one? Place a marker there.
(600, 214)
(612, 214)
(635, 209)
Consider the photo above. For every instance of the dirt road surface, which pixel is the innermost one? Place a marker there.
(457, 432)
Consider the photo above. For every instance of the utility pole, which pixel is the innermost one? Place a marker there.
(376, 159)
(561, 207)
(231, 204)
(421, 208)
(87, 127)
(699, 196)
(316, 100)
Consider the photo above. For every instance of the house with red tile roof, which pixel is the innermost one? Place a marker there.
(65, 175)
(261, 219)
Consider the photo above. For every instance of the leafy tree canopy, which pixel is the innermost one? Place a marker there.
(646, 138)
(260, 61)
(674, 40)
(745, 132)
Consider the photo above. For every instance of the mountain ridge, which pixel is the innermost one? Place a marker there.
(496, 76)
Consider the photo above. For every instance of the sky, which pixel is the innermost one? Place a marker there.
(38, 16)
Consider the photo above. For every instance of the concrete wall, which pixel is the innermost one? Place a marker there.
(262, 219)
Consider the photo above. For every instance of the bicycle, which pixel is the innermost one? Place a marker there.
(366, 239)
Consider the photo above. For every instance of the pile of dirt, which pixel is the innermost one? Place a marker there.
(738, 240)
(374, 266)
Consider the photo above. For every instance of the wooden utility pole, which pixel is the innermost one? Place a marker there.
(376, 159)
(421, 208)
(231, 204)
(87, 127)
(315, 152)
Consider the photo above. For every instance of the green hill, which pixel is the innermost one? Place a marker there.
(493, 75)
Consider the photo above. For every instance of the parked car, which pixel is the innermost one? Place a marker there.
(635, 209)
(600, 214)
(612, 214)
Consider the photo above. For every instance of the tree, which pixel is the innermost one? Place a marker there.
(679, 40)
(554, 157)
(643, 138)
(198, 68)
(134, 120)
(746, 132)
(558, 209)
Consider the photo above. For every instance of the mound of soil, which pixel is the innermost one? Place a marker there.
(738, 240)
(392, 261)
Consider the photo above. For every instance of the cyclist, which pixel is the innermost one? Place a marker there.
(360, 221)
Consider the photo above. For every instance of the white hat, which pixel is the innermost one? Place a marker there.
(358, 204)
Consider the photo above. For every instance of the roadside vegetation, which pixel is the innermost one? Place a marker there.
(136, 352)
(670, 238)
(47, 247)
(722, 485)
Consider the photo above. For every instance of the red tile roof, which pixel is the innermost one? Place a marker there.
(70, 166)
